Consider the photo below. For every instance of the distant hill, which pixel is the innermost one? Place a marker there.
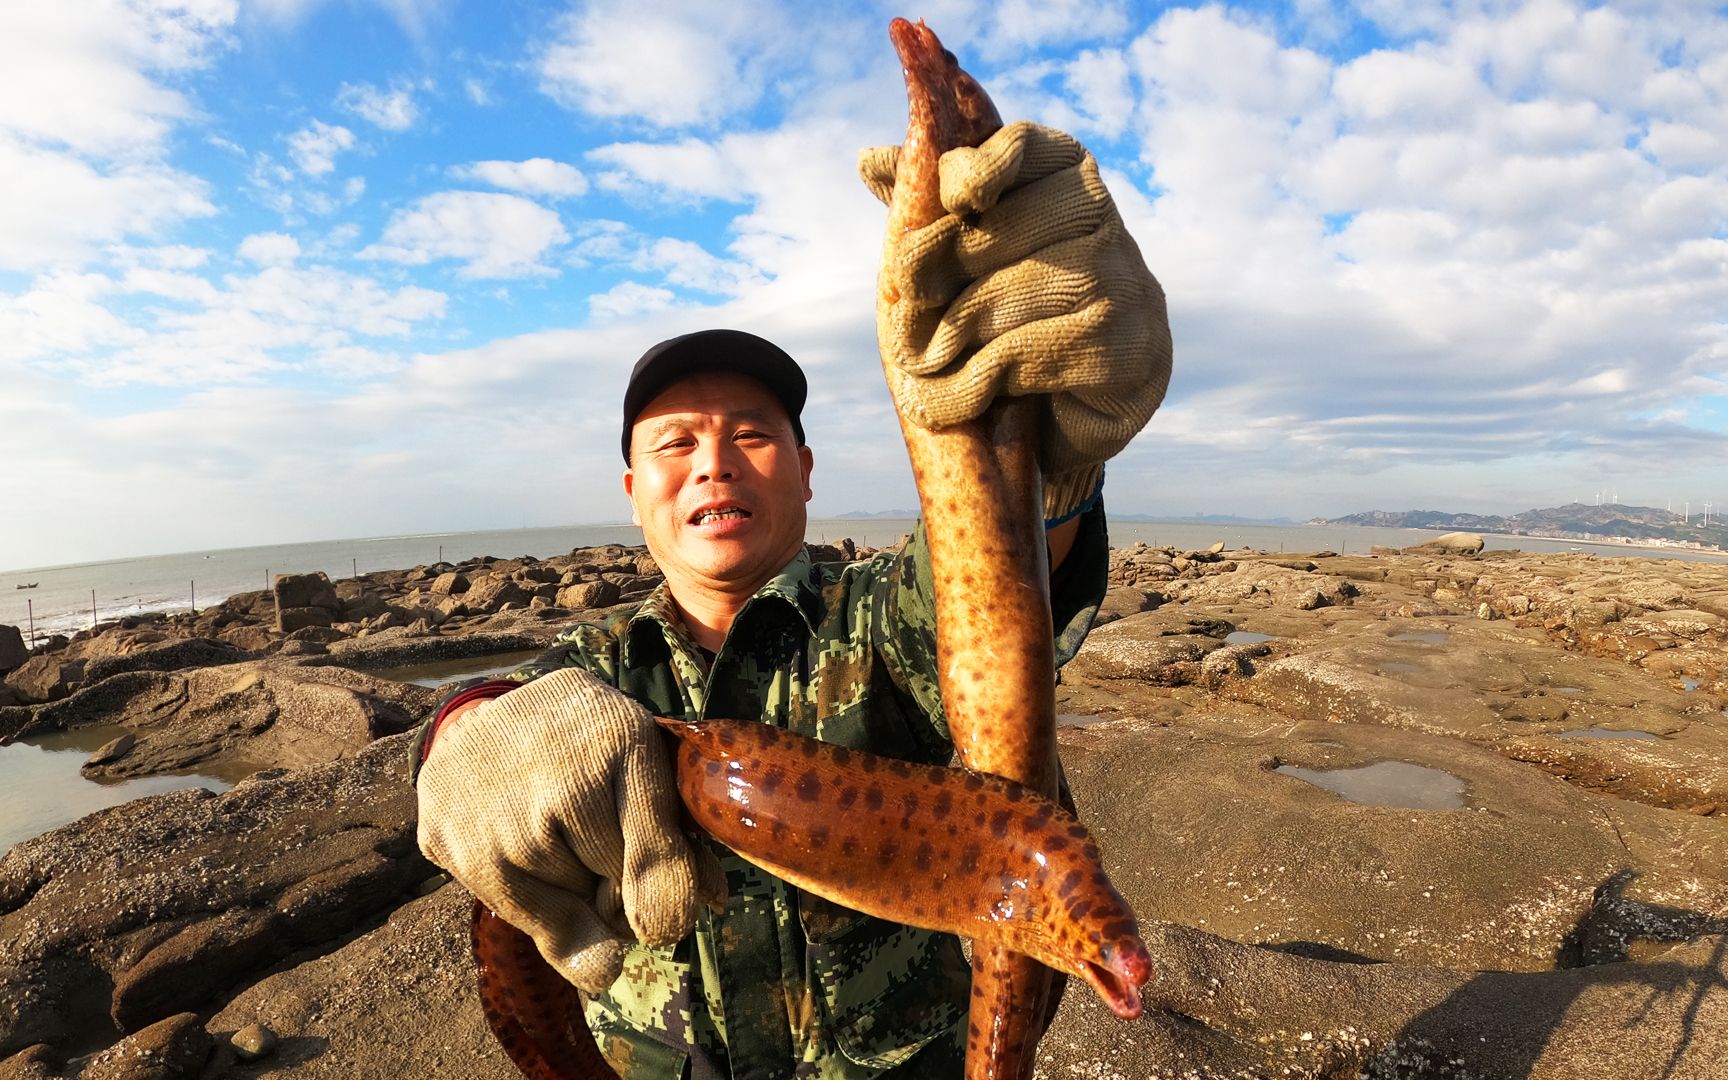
(891, 515)
(1574, 521)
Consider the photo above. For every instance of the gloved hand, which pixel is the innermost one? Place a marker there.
(555, 805)
(1029, 285)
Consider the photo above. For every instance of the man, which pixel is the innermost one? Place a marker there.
(553, 801)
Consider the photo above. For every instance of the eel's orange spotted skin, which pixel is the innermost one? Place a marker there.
(535, 1014)
(979, 487)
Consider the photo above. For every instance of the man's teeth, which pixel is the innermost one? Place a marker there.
(706, 516)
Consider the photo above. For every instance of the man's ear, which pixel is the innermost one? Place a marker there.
(806, 461)
(630, 493)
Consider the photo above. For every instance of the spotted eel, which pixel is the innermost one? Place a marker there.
(979, 489)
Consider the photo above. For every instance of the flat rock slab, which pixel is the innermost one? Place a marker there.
(1225, 1011)
(398, 1001)
(140, 911)
(265, 712)
(1509, 688)
(1216, 838)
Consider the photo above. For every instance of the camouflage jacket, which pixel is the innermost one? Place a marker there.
(783, 983)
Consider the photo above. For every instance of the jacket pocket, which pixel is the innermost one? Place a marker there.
(886, 990)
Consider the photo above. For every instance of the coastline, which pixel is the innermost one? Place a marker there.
(62, 602)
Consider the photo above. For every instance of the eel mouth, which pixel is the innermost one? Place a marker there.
(1117, 980)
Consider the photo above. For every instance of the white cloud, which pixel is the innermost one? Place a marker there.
(172, 284)
(691, 167)
(270, 249)
(680, 262)
(392, 110)
(1021, 25)
(496, 236)
(671, 65)
(61, 314)
(162, 256)
(80, 75)
(315, 146)
(57, 209)
(1686, 146)
(84, 122)
(537, 176)
(356, 362)
(1414, 90)
(478, 92)
(630, 298)
(209, 332)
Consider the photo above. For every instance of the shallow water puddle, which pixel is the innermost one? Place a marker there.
(41, 787)
(1567, 689)
(1388, 783)
(1068, 719)
(1426, 637)
(1690, 685)
(439, 672)
(1399, 667)
(1608, 733)
(1247, 637)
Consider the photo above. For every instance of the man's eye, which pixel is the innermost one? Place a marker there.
(748, 433)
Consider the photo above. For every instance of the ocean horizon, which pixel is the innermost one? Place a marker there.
(70, 597)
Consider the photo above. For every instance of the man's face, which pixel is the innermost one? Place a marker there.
(718, 483)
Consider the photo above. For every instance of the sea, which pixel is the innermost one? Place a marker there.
(62, 599)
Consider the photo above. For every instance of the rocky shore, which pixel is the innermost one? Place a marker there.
(1432, 813)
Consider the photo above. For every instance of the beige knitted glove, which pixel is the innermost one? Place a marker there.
(1030, 285)
(555, 805)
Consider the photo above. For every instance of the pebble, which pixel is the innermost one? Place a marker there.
(253, 1042)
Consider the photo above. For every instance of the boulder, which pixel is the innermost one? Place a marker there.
(12, 650)
(46, 677)
(450, 584)
(492, 592)
(363, 607)
(1124, 600)
(306, 591)
(588, 594)
(112, 750)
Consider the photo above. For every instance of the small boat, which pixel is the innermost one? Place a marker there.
(32, 585)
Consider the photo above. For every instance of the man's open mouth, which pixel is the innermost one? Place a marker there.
(718, 513)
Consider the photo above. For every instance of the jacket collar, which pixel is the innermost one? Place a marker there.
(657, 619)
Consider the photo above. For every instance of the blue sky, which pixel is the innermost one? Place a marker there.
(299, 269)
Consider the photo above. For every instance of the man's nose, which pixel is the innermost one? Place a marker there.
(717, 459)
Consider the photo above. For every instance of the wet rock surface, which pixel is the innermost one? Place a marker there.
(1567, 917)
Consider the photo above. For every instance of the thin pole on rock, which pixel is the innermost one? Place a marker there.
(355, 563)
(92, 609)
(30, 607)
(194, 597)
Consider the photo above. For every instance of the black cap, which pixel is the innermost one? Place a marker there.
(715, 350)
